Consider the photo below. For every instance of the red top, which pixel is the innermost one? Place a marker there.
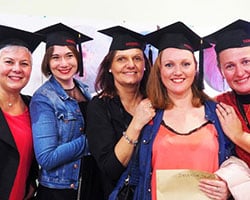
(229, 98)
(197, 150)
(21, 130)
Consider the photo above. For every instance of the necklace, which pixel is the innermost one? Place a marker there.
(10, 104)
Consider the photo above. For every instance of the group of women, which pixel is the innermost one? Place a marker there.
(157, 114)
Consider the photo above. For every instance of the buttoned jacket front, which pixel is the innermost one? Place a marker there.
(58, 134)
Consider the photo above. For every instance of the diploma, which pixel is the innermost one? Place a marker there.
(180, 184)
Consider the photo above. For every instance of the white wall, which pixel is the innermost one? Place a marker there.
(203, 16)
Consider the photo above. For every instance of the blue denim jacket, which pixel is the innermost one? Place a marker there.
(141, 168)
(59, 141)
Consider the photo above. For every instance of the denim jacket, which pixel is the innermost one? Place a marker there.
(141, 167)
(59, 140)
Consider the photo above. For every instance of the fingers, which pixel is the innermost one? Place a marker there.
(214, 189)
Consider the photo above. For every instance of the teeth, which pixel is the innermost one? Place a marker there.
(178, 80)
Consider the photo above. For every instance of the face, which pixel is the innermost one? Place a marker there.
(15, 68)
(63, 65)
(128, 67)
(235, 67)
(178, 69)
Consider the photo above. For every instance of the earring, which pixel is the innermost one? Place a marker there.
(110, 71)
(144, 68)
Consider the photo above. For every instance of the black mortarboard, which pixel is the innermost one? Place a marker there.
(124, 38)
(236, 34)
(13, 36)
(60, 34)
(178, 35)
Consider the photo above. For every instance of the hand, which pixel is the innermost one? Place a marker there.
(144, 113)
(214, 189)
(229, 121)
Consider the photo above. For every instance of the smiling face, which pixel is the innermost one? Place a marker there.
(63, 65)
(235, 67)
(15, 68)
(178, 70)
(128, 68)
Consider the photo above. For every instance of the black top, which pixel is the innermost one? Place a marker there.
(106, 120)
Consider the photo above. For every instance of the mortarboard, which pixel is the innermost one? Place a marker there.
(60, 34)
(178, 35)
(13, 36)
(124, 38)
(234, 35)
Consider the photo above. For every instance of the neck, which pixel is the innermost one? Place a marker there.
(182, 102)
(130, 99)
(9, 101)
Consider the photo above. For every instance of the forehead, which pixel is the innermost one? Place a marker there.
(128, 52)
(16, 50)
(175, 52)
(234, 53)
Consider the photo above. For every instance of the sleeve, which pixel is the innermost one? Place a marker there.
(102, 139)
(49, 150)
(237, 175)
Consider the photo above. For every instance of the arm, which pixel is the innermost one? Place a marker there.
(51, 149)
(110, 149)
(232, 126)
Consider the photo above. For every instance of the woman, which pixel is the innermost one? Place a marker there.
(118, 113)
(232, 45)
(185, 133)
(18, 169)
(58, 113)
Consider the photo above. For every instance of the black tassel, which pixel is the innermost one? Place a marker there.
(81, 66)
(201, 70)
(150, 55)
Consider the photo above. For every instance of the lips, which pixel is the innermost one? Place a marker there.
(178, 80)
(242, 80)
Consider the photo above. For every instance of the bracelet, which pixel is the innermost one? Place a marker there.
(129, 140)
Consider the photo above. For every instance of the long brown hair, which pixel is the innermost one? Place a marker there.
(104, 83)
(157, 92)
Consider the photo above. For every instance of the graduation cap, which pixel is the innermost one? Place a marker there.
(178, 35)
(13, 36)
(124, 38)
(234, 35)
(60, 34)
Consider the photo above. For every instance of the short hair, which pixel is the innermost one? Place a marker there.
(47, 56)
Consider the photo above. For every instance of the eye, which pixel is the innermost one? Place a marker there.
(138, 58)
(120, 59)
(229, 67)
(55, 57)
(8, 62)
(186, 64)
(246, 62)
(25, 64)
(70, 55)
(168, 65)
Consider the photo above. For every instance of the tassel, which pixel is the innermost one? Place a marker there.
(201, 70)
(150, 55)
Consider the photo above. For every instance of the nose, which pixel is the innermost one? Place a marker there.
(239, 70)
(16, 67)
(63, 61)
(177, 70)
(130, 62)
